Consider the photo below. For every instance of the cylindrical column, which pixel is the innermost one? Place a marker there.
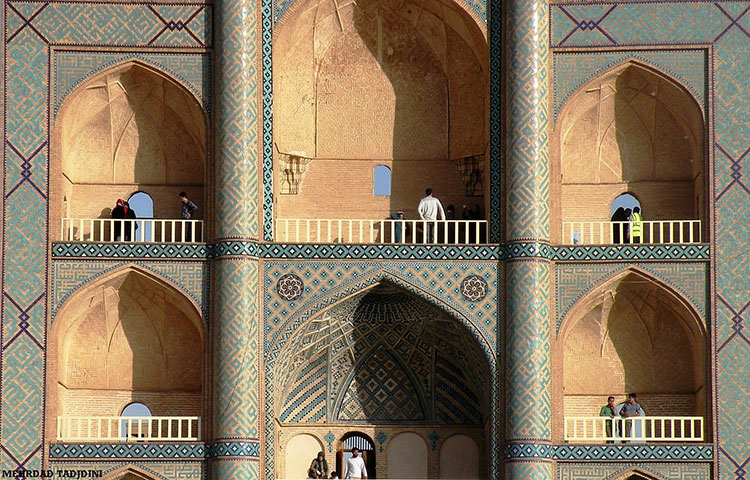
(235, 318)
(527, 317)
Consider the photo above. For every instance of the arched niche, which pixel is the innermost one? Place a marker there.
(130, 128)
(407, 456)
(380, 359)
(633, 334)
(403, 85)
(128, 337)
(632, 129)
(459, 458)
(301, 449)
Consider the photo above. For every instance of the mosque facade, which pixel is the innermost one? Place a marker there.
(294, 312)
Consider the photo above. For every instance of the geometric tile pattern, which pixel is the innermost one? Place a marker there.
(527, 355)
(381, 346)
(72, 67)
(68, 451)
(573, 281)
(128, 250)
(629, 252)
(382, 252)
(575, 69)
(236, 113)
(236, 350)
(163, 469)
(617, 471)
(527, 87)
(191, 278)
(453, 404)
(329, 282)
(381, 391)
(724, 26)
(430, 280)
(497, 72)
(30, 29)
(61, 451)
(633, 452)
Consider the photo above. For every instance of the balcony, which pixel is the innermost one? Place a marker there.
(142, 230)
(128, 429)
(665, 232)
(634, 429)
(403, 232)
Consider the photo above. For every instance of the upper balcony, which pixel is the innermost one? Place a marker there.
(148, 230)
(666, 232)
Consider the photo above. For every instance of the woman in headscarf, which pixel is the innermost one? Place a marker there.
(318, 467)
(618, 216)
(119, 213)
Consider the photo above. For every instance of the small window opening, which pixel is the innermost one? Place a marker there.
(143, 205)
(382, 181)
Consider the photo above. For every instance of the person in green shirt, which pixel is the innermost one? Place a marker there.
(608, 410)
(636, 230)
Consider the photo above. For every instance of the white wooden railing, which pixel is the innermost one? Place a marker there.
(128, 429)
(609, 233)
(634, 429)
(412, 232)
(103, 230)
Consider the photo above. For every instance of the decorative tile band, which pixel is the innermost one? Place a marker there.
(70, 451)
(234, 449)
(129, 250)
(611, 452)
(198, 451)
(382, 252)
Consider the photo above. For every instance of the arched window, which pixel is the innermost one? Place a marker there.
(134, 428)
(143, 205)
(626, 201)
(382, 181)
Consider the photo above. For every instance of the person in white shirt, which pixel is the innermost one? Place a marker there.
(430, 208)
(355, 466)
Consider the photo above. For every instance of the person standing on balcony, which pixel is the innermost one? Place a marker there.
(429, 209)
(188, 208)
(631, 408)
(121, 213)
(618, 227)
(636, 229)
(608, 410)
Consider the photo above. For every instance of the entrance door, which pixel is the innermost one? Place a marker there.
(366, 449)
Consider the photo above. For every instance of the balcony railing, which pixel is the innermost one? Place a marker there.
(142, 230)
(634, 429)
(652, 232)
(128, 429)
(407, 232)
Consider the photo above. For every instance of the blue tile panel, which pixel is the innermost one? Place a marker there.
(382, 252)
(722, 29)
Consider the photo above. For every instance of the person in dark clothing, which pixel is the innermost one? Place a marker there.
(188, 209)
(618, 228)
(123, 212)
(318, 467)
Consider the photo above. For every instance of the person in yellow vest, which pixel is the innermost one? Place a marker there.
(636, 229)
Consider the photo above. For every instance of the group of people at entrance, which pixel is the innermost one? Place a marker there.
(624, 427)
(355, 467)
(628, 225)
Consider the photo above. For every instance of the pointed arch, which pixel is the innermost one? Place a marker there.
(119, 270)
(133, 472)
(589, 295)
(620, 328)
(111, 136)
(369, 282)
(128, 335)
(636, 474)
(634, 128)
